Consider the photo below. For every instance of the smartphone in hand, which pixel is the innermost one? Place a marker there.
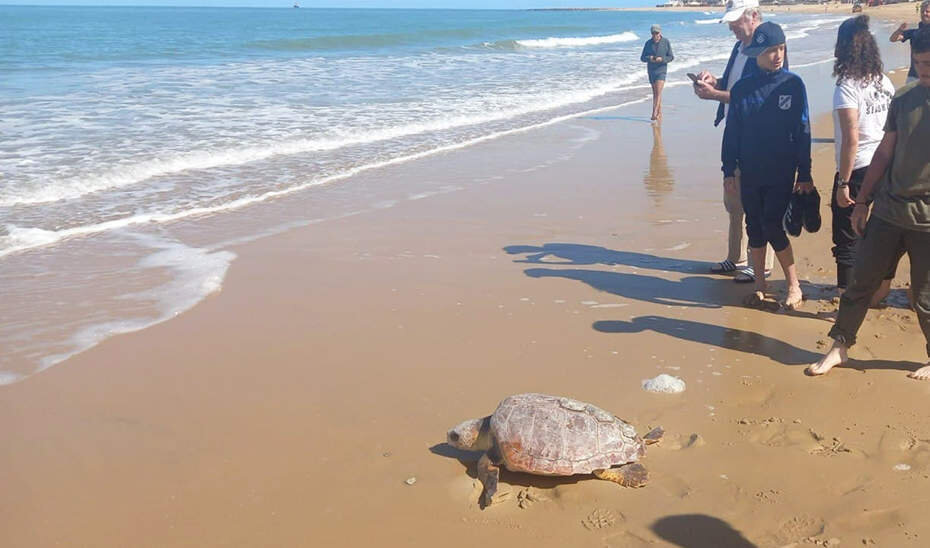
(693, 77)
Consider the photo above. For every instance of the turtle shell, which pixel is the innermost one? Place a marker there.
(554, 436)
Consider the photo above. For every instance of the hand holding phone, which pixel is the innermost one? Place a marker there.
(693, 77)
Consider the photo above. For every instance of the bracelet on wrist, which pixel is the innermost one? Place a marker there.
(842, 184)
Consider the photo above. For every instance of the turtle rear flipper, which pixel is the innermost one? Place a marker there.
(628, 475)
(488, 474)
(654, 435)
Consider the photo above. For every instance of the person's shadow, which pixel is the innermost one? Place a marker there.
(580, 254)
(715, 335)
(699, 531)
(696, 291)
(742, 341)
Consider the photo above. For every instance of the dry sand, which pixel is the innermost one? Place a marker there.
(289, 409)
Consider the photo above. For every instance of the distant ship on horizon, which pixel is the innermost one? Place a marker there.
(296, 5)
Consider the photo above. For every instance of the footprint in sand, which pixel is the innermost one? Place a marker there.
(527, 497)
(770, 496)
(601, 518)
(797, 529)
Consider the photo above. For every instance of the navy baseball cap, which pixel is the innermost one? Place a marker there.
(767, 35)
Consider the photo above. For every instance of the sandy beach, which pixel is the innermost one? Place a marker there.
(307, 403)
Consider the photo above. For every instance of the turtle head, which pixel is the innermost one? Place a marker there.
(473, 435)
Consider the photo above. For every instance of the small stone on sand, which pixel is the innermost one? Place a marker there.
(410, 480)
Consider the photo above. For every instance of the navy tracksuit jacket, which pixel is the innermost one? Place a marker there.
(768, 138)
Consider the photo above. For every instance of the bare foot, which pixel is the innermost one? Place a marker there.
(794, 299)
(757, 299)
(835, 356)
(922, 374)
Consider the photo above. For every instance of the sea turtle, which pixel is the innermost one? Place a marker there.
(553, 436)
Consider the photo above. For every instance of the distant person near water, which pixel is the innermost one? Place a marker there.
(899, 177)
(860, 107)
(657, 54)
(742, 16)
(903, 34)
(768, 139)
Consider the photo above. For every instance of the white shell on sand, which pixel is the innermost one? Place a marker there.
(410, 481)
(664, 383)
(902, 467)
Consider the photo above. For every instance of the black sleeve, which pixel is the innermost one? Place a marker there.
(645, 56)
(729, 155)
(671, 56)
(802, 137)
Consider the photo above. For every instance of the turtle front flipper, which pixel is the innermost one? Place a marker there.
(654, 435)
(628, 475)
(488, 474)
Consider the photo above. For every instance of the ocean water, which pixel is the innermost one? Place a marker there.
(122, 124)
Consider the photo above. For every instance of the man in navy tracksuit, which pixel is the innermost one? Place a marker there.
(768, 139)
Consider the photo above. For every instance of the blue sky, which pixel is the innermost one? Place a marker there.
(458, 4)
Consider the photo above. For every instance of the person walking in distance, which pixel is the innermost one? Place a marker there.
(657, 54)
(903, 34)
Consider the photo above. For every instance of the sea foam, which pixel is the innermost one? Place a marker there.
(570, 42)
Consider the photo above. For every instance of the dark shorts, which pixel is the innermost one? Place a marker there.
(656, 76)
(765, 203)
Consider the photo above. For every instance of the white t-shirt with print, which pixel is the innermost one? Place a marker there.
(871, 98)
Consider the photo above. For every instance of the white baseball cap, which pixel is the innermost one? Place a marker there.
(735, 9)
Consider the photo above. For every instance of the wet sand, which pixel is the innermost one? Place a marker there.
(291, 408)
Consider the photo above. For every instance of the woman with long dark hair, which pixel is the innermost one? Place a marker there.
(860, 106)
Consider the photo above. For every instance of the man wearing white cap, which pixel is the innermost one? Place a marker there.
(742, 16)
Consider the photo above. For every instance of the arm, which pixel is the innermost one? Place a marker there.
(705, 90)
(849, 126)
(802, 137)
(881, 160)
(898, 34)
(645, 57)
(669, 56)
(732, 136)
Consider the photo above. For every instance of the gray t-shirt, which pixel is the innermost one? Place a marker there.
(903, 198)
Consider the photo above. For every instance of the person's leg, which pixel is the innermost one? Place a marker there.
(732, 202)
(874, 256)
(752, 197)
(884, 289)
(844, 238)
(660, 83)
(655, 97)
(775, 204)
(918, 251)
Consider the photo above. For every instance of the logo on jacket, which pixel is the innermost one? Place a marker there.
(784, 102)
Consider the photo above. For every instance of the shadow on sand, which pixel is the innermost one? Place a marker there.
(740, 340)
(469, 460)
(696, 291)
(699, 531)
(578, 255)
(722, 337)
